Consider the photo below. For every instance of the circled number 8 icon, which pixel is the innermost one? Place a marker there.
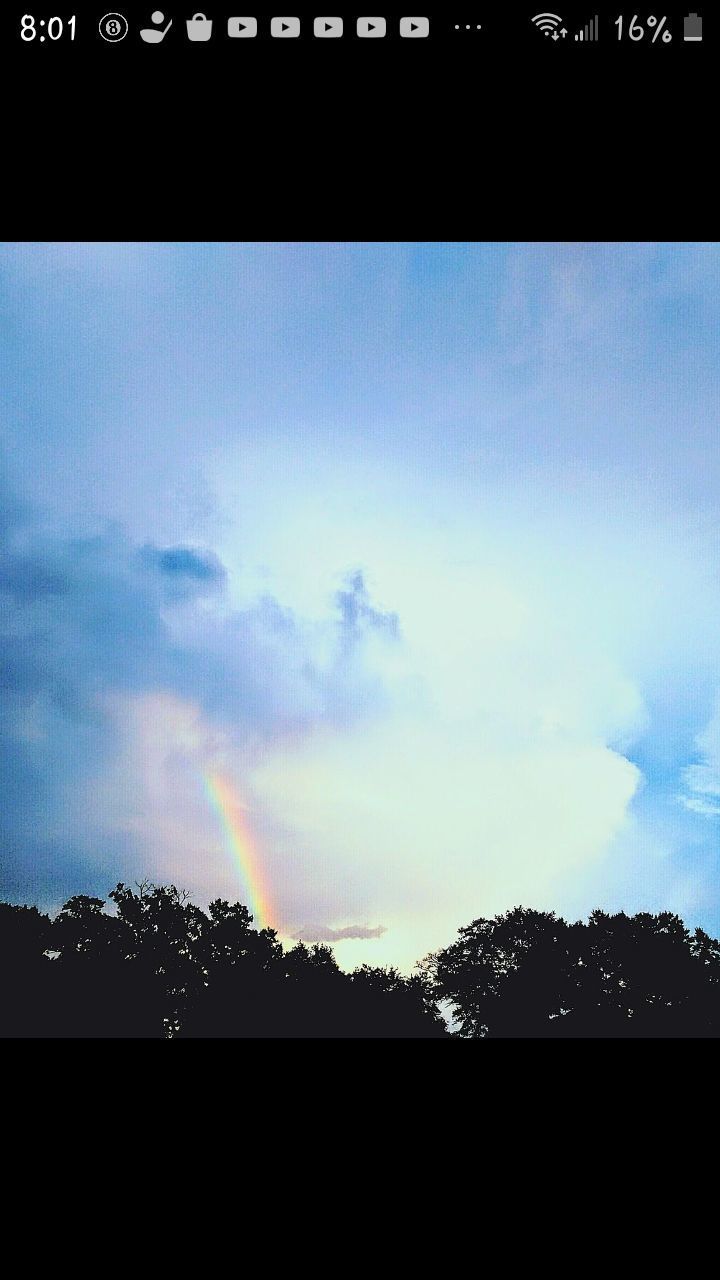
(113, 27)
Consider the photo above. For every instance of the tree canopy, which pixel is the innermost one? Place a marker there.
(154, 965)
(529, 973)
(158, 966)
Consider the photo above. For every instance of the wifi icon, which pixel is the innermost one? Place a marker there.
(547, 22)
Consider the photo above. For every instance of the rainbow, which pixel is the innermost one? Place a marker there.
(238, 837)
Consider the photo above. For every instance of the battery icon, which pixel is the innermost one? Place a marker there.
(693, 27)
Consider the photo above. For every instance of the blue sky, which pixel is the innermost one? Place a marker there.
(415, 543)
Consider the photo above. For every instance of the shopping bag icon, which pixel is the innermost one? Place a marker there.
(199, 27)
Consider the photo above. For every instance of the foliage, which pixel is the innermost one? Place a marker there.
(155, 965)
(529, 973)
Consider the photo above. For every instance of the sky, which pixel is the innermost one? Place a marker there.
(408, 551)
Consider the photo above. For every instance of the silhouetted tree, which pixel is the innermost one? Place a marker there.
(393, 1005)
(163, 935)
(528, 973)
(24, 994)
(155, 965)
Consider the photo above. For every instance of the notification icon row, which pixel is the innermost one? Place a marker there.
(323, 28)
(114, 27)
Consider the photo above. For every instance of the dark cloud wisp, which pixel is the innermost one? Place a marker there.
(321, 933)
(83, 618)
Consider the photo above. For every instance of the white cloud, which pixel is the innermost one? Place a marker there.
(427, 827)
(701, 781)
(153, 792)
(491, 768)
(516, 445)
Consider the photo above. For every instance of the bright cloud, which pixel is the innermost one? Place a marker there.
(415, 544)
(701, 781)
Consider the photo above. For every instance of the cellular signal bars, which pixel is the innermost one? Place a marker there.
(590, 31)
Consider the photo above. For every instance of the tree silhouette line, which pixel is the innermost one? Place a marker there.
(157, 966)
